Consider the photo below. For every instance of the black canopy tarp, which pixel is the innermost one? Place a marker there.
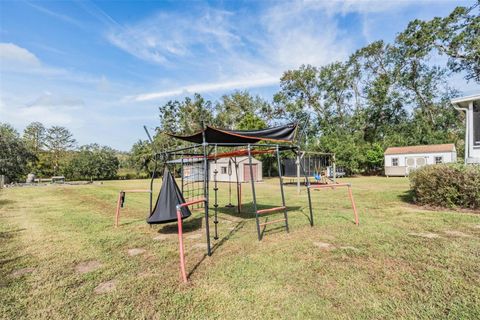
(169, 197)
(284, 133)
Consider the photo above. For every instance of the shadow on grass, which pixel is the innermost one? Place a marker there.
(131, 222)
(4, 202)
(248, 212)
(10, 234)
(217, 245)
(273, 230)
(4, 261)
(407, 197)
(189, 225)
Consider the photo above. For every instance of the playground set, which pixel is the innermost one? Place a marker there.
(205, 148)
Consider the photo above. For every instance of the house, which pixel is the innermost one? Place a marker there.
(471, 106)
(400, 161)
(226, 166)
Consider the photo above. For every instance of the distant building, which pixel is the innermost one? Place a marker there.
(471, 106)
(225, 166)
(400, 161)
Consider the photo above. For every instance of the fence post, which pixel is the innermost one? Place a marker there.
(2, 181)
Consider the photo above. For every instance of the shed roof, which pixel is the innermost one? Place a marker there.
(432, 148)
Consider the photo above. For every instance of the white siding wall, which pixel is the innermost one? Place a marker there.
(474, 151)
(447, 157)
(224, 177)
(430, 157)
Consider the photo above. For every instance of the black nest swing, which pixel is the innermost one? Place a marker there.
(169, 197)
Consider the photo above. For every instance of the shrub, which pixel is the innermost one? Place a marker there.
(447, 185)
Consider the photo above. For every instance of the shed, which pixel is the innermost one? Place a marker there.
(400, 161)
(225, 166)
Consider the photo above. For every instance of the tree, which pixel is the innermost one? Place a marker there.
(93, 162)
(194, 113)
(374, 157)
(58, 141)
(141, 156)
(232, 108)
(251, 121)
(34, 136)
(14, 155)
(457, 36)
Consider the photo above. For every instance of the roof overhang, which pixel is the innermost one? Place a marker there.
(464, 102)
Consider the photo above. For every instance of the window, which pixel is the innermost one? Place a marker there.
(223, 170)
(438, 160)
(394, 162)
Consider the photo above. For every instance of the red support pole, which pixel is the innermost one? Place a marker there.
(180, 236)
(180, 243)
(239, 197)
(350, 195)
(353, 204)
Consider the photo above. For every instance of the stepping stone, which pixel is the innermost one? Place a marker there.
(194, 236)
(135, 251)
(323, 245)
(427, 235)
(202, 246)
(20, 272)
(105, 287)
(87, 266)
(161, 237)
(476, 226)
(455, 233)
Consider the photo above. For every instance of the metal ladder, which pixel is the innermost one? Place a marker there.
(263, 211)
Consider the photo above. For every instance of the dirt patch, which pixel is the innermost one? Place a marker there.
(455, 233)
(135, 251)
(476, 226)
(87, 266)
(194, 236)
(20, 272)
(323, 245)
(105, 287)
(427, 235)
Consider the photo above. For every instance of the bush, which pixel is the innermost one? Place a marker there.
(447, 185)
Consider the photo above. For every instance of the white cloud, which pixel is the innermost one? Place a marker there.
(232, 51)
(48, 108)
(56, 15)
(16, 59)
(258, 81)
(13, 56)
(163, 37)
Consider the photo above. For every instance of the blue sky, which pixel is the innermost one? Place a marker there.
(103, 68)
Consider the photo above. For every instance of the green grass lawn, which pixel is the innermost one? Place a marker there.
(401, 262)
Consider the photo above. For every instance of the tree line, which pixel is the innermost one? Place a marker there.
(52, 151)
(385, 94)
